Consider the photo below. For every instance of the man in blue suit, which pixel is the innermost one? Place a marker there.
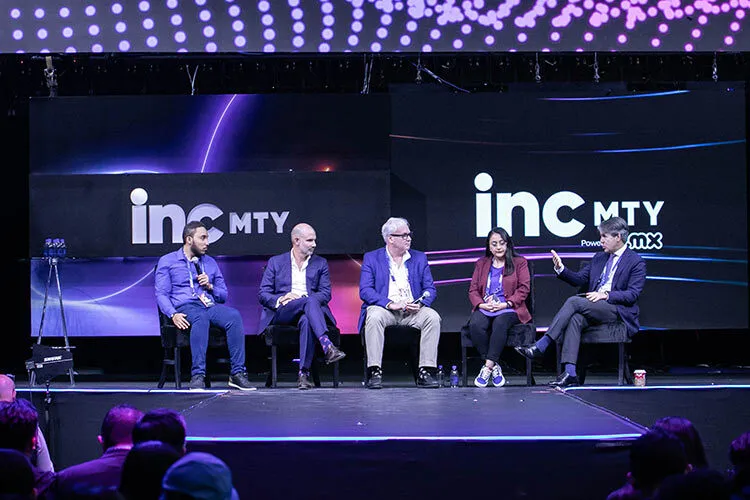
(396, 288)
(295, 290)
(614, 279)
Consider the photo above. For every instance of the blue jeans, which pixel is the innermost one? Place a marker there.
(306, 313)
(228, 318)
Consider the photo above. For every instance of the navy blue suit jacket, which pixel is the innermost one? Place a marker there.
(627, 283)
(375, 278)
(277, 281)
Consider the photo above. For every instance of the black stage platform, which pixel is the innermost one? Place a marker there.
(515, 442)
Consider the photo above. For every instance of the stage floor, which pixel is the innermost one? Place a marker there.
(514, 413)
(425, 441)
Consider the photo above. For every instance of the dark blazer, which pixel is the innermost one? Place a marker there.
(516, 286)
(94, 479)
(627, 283)
(376, 273)
(277, 281)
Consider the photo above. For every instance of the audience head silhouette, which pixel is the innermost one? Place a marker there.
(144, 469)
(117, 426)
(199, 476)
(684, 430)
(654, 456)
(18, 423)
(163, 425)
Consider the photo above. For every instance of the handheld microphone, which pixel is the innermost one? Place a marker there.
(197, 264)
(421, 298)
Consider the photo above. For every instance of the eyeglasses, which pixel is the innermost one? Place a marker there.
(403, 235)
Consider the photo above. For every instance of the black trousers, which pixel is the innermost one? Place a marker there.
(489, 334)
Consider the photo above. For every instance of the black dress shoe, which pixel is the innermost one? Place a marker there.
(334, 354)
(529, 351)
(565, 380)
(376, 378)
(303, 381)
(425, 380)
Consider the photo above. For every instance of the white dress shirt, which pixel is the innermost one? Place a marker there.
(299, 278)
(399, 289)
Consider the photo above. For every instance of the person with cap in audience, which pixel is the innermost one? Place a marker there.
(18, 427)
(198, 476)
(41, 457)
(101, 476)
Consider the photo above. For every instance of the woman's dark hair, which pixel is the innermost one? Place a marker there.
(684, 430)
(510, 251)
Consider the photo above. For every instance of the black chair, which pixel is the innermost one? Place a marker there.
(518, 335)
(173, 340)
(277, 336)
(606, 333)
(397, 335)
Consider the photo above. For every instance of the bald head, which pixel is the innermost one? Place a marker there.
(300, 230)
(304, 240)
(7, 388)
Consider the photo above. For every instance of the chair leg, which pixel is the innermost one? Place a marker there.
(621, 364)
(164, 369)
(529, 377)
(463, 364)
(558, 355)
(177, 367)
(315, 372)
(364, 358)
(336, 374)
(628, 373)
(274, 373)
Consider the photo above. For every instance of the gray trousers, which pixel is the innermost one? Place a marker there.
(426, 320)
(576, 314)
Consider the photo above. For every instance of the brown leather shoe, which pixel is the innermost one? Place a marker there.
(334, 354)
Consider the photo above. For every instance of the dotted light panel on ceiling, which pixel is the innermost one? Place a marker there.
(42, 26)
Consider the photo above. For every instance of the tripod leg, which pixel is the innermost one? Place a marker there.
(44, 304)
(62, 314)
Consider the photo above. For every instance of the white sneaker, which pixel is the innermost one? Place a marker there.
(484, 377)
(498, 380)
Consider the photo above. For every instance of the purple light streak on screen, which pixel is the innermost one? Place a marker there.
(216, 129)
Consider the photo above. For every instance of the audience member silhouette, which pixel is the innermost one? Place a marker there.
(18, 427)
(144, 470)
(100, 477)
(739, 456)
(164, 425)
(16, 476)
(654, 456)
(686, 432)
(700, 484)
(198, 476)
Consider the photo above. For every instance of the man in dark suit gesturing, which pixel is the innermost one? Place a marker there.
(295, 290)
(614, 279)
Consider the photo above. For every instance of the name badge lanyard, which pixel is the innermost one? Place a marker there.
(190, 277)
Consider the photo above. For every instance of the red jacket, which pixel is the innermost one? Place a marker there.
(516, 286)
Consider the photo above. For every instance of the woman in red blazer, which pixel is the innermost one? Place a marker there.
(498, 291)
